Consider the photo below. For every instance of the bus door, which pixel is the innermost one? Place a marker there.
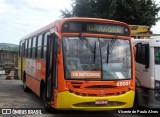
(51, 68)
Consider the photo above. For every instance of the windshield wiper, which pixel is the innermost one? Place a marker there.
(95, 50)
(86, 43)
(89, 45)
(110, 47)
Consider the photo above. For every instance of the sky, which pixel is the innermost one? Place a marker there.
(19, 18)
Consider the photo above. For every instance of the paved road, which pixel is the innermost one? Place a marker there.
(13, 96)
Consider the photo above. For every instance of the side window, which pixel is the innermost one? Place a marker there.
(157, 55)
(142, 53)
(34, 43)
(23, 48)
(29, 47)
(39, 47)
(45, 44)
(26, 47)
(20, 48)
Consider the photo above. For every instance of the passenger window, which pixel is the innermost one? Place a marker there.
(29, 48)
(34, 47)
(45, 44)
(34, 42)
(26, 48)
(39, 47)
(23, 48)
(39, 40)
(20, 48)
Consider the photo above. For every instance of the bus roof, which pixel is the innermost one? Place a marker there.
(61, 21)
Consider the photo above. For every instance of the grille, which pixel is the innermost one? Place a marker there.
(76, 88)
(100, 86)
(76, 84)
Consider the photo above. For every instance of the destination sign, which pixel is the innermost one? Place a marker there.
(95, 27)
(105, 28)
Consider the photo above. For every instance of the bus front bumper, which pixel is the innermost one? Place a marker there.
(70, 101)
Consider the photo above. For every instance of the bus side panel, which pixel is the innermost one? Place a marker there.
(33, 84)
(24, 65)
(35, 72)
(40, 69)
(32, 81)
(19, 68)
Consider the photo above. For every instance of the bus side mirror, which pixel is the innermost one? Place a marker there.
(147, 56)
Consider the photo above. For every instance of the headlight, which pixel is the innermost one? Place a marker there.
(157, 84)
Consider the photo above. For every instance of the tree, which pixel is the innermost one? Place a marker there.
(135, 12)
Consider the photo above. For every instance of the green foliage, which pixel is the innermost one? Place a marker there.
(138, 12)
(8, 47)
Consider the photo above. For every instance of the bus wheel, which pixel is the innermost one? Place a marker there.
(25, 87)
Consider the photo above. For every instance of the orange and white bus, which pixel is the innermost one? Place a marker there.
(80, 63)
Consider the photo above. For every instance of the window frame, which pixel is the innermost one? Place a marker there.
(34, 46)
(45, 46)
(29, 48)
(26, 48)
(39, 46)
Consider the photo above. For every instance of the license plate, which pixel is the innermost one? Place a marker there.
(101, 102)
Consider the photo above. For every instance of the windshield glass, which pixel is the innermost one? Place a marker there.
(96, 58)
(157, 55)
(116, 58)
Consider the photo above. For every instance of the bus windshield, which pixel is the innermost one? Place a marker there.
(96, 58)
